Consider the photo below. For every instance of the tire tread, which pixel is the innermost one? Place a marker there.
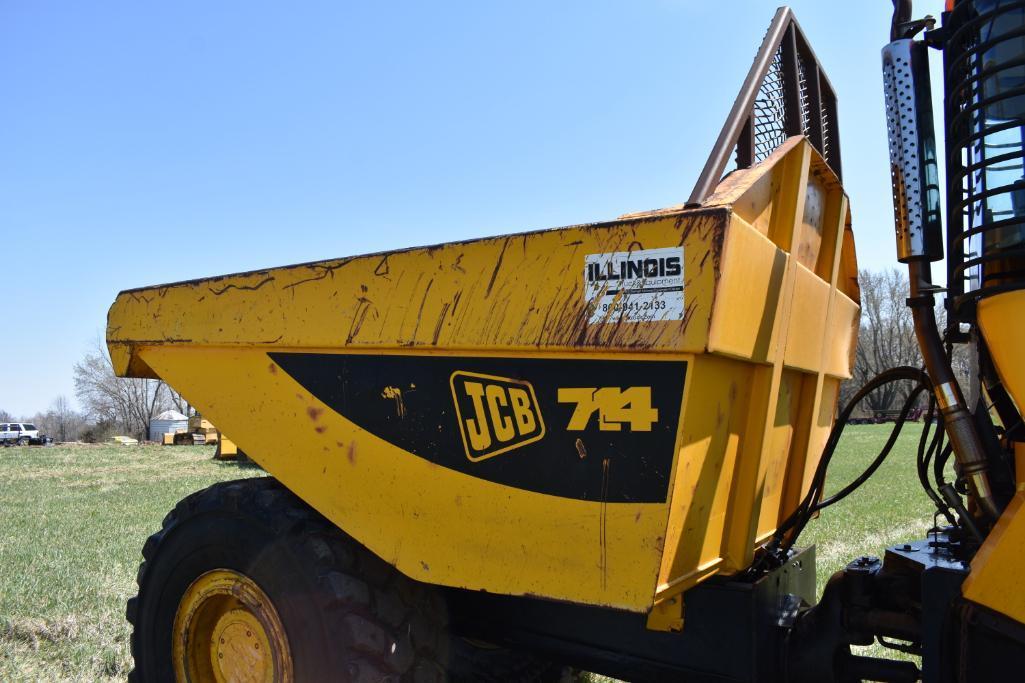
(379, 611)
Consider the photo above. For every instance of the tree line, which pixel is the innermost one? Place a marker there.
(116, 405)
(110, 405)
(886, 339)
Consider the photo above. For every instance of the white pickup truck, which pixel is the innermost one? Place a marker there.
(19, 433)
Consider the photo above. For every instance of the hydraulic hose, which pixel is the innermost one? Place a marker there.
(957, 420)
(788, 531)
(847, 490)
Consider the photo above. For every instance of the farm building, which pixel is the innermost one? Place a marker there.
(167, 421)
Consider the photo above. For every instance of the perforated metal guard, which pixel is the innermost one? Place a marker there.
(902, 130)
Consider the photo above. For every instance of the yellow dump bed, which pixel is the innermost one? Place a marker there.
(603, 413)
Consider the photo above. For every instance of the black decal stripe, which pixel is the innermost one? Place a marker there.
(643, 290)
(364, 389)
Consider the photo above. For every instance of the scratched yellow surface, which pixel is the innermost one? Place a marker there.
(517, 292)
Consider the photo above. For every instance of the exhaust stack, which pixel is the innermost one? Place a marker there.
(919, 233)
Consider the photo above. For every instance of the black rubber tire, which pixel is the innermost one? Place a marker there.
(23, 441)
(347, 614)
(471, 662)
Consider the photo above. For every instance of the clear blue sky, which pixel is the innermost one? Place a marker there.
(142, 143)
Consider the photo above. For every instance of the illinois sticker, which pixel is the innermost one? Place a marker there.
(634, 286)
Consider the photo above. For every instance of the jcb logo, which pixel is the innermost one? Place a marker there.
(615, 407)
(496, 414)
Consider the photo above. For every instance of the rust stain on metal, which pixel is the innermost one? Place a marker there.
(420, 312)
(325, 271)
(455, 301)
(351, 453)
(437, 326)
(498, 266)
(581, 451)
(314, 412)
(688, 312)
(272, 369)
(250, 288)
(357, 321)
(162, 340)
(320, 429)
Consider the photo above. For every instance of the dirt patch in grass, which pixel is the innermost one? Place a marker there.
(33, 630)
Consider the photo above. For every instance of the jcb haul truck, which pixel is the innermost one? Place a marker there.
(596, 446)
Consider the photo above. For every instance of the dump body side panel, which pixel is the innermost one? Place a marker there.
(466, 411)
(605, 414)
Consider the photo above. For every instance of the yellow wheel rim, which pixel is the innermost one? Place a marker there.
(227, 630)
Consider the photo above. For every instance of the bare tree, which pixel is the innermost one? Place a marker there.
(5, 416)
(179, 403)
(886, 337)
(61, 420)
(127, 403)
(60, 410)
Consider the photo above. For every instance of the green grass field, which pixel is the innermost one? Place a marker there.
(889, 508)
(73, 520)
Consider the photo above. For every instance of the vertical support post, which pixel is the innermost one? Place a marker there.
(814, 106)
(793, 124)
(834, 134)
(766, 382)
(746, 144)
(813, 438)
(955, 172)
